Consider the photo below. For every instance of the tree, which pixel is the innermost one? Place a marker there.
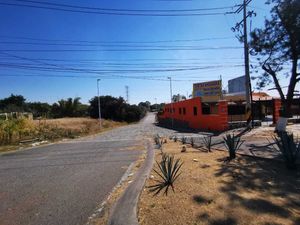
(68, 108)
(178, 97)
(39, 109)
(13, 103)
(277, 46)
(116, 109)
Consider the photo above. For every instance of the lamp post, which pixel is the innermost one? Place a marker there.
(99, 109)
(172, 111)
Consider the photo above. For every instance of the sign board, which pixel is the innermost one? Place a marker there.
(237, 85)
(210, 91)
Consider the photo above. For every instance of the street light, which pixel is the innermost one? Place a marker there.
(172, 111)
(99, 109)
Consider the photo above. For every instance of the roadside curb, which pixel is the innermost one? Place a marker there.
(125, 210)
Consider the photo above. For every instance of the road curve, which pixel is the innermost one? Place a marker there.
(62, 184)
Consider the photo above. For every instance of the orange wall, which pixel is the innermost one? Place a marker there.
(214, 122)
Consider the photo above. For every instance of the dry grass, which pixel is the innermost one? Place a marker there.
(213, 191)
(56, 129)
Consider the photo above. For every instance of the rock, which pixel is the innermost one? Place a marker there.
(183, 148)
(195, 160)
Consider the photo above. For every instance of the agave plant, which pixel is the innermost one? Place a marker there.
(192, 142)
(232, 144)
(175, 138)
(289, 149)
(157, 139)
(168, 171)
(183, 140)
(206, 140)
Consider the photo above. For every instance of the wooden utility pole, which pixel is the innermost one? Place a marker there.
(247, 69)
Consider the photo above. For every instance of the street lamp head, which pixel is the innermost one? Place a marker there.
(98, 79)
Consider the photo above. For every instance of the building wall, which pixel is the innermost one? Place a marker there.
(213, 122)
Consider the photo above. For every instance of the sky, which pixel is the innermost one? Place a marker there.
(47, 55)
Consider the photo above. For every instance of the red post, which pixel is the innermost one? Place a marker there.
(276, 108)
(223, 115)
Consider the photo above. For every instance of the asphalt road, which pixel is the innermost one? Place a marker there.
(63, 184)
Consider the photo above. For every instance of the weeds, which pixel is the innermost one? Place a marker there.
(289, 149)
(207, 142)
(192, 142)
(168, 171)
(232, 144)
(175, 138)
(183, 140)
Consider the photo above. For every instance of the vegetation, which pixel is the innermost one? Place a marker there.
(183, 140)
(15, 129)
(111, 108)
(207, 141)
(192, 142)
(116, 109)
(175, 138)
(277, 46)
(289, 148)
(232, 144)
(168, 172)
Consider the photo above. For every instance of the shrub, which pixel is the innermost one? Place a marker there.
(232, 144)
(183, 140)
(289, 148)
(168, 171)
(192, 142)
(175, 139)
(206, 141)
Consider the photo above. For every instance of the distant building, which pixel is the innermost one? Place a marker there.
(237, 85)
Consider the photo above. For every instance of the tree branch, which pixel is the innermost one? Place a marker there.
(269, 70)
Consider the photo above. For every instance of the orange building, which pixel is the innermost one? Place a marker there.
(197, 115)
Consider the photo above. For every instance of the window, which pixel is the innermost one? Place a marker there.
(184, 111)
(195, 111)
(179, 110)
(205, 109)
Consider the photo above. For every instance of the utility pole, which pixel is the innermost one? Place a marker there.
(99, 108)
(127, 93)
(247, 69)
(172, 110)
(243, 23)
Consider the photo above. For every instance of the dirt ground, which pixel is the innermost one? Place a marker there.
(211, 190)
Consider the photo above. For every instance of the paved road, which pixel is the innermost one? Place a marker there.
(62, 184)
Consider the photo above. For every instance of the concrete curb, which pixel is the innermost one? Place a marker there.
(125, 210)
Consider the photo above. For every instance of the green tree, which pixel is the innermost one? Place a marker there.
(13, 103)
(277, 46)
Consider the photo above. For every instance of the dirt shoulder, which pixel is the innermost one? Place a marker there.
(213, 191)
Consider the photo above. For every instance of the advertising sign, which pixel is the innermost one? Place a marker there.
(208, 91)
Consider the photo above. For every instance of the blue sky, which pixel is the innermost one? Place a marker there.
(34, 29)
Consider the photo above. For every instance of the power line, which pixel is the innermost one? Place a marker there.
(93, 77)
(122, 50)
(115, 42)
(119, 13)
(124, 10)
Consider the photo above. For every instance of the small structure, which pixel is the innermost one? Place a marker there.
(195, 114)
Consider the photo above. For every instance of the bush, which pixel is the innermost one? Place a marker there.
(207, 140)
(192, 142)
(232, 144)
(183, 140)
(169, 172)
(289, 149)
